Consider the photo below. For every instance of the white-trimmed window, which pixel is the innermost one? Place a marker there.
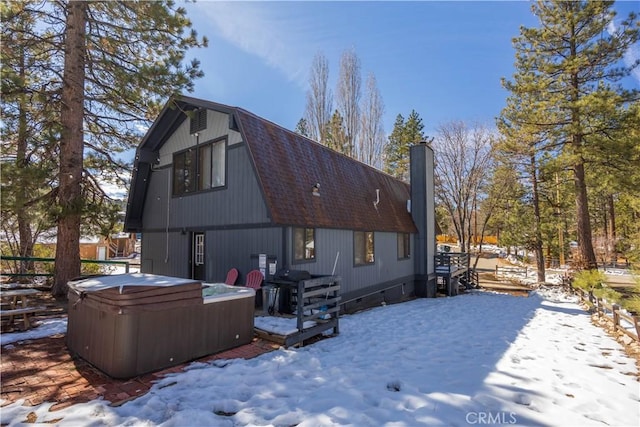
(199, 249)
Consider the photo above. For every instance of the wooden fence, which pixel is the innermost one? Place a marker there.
(510, 271)
(611, 312)
(43, 267)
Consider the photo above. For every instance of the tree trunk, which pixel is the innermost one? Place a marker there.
(611, 230)
(67, 264)
(538, 233)
(25, 236)
(585, 245)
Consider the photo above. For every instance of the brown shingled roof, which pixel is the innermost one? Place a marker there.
(288, 165)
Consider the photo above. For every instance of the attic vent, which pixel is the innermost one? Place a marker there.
(198, 121)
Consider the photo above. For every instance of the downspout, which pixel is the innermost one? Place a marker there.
(166, 257)
(285, 248)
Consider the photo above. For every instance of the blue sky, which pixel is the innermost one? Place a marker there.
(443, 59)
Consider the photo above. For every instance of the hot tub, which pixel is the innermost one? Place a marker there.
(215, 292)
(127, 325)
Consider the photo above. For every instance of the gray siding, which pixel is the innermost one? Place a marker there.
(217, 126)
(240, 249)
(355, 279)
(166, 254)
(225, 249)
(237, 228)
(240, 203)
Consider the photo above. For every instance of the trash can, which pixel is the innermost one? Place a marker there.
(270, 299)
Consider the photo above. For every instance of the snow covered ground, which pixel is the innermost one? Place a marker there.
(478, 358)
(45, 328)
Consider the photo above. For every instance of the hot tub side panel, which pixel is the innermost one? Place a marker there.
(137, 341)
(228, 323)
(167, 338)
(104, 338)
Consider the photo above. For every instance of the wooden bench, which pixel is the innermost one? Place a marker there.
(24, 312)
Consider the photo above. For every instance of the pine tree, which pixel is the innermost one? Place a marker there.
(29, 127)
(105, 87)
(302, 127)
(571, 64)
(402, 137)
(336, 135)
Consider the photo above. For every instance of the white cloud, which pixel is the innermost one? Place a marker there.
(631, 56)
(261, 30)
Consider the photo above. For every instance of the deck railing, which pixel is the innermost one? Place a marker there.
(453, 268)
(452, 259)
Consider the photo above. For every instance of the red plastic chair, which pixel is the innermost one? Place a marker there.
(254, 279)
(232, 276)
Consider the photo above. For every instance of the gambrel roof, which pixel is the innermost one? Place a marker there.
(352, 195)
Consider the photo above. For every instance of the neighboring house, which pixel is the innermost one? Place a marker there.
(214, 186)
(119, 245)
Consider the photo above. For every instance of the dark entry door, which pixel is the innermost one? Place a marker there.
(197, 256)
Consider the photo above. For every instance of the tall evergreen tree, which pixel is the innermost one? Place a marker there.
(302, 128)
(402, 137)
(105, 88)
(336, 135)
(29, 127)
(572, 62)
(522, 147)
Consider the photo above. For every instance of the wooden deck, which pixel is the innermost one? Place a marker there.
(453, 270)
(317, 309)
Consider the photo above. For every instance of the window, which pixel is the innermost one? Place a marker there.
(200, 169)
(404, 247)
(199, 249)
(211, 166)
(304, 244)
(184, 172)
(363, 252)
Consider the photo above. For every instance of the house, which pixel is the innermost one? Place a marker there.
(118, 245)
(214, 187)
